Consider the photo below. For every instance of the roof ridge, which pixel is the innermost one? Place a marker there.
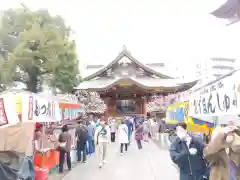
(128, 54)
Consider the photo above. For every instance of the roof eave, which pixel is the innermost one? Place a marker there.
(127, 54)
(227, 10)
(178, 87)
(187, 86)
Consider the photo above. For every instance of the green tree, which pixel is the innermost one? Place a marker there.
(39, 48)
(66, 75)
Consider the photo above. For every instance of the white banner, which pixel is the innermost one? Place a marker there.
(217, 99)
(8, 112)
(38, 109)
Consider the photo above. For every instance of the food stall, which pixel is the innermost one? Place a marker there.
(38, 109)
(16, 142)
(20, 111)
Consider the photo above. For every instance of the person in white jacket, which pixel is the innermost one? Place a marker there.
(101, 139)
(123, 136)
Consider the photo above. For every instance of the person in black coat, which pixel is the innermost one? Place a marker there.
(82, 137)
(187, 153)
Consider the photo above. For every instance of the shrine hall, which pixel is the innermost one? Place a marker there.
(126, 85)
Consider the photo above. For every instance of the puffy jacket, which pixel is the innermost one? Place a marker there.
(192, 167)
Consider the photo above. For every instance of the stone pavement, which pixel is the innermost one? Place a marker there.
(150, 163)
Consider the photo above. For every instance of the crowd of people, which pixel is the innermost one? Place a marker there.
(198, 157)
(213, 157)
(94, 135)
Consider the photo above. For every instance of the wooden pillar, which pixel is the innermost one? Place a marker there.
(106, 101)
(111, 107)
(145, 109)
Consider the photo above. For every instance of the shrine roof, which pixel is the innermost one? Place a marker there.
(227, 10)
(146, 82)
(126, 53)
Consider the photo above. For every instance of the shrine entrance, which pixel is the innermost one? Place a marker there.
(122, 100)
(126, 85)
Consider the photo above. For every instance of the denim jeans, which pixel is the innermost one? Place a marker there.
(81, 149)
(93, 146)
(62, 159)
(90, 145)
(129, 135)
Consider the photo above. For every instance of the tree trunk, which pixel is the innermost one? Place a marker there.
(32, 85)
(33, 80)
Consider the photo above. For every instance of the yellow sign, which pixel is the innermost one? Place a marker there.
(177, 112)
(124, 84)
(198, 128)
(18, 102)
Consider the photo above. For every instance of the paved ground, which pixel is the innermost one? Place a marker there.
(150, 163)
(162, 142)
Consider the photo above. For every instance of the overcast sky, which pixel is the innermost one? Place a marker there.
(153, 30)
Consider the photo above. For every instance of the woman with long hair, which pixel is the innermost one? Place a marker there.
(65, 141)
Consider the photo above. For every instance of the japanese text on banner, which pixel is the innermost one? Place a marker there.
(40, 110)
(219, 98)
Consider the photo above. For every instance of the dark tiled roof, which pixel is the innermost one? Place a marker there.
(141, 82)
(127, 54)
(94, 66)
(228, 10)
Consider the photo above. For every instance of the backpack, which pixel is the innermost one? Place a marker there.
(82, 134)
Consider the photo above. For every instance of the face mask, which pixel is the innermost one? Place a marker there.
(182, 134)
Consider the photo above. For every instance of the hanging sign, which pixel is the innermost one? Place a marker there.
(38, 109)
(177, 112)
(18, 102)
(8, 113)
(125, 84)
(69, 111)
(217, 99)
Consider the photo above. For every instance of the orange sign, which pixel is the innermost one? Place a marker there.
(67, 110)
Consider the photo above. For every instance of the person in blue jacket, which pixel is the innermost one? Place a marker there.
(129, 122)
(187, 153)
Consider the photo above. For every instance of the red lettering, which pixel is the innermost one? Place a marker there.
(30, 108)
(3, 116)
